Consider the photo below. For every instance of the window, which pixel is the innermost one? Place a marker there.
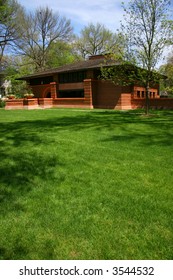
(71, 94)
(48, 95)
(138, 94)
(143, 94)
(41, 81)
(72, 77)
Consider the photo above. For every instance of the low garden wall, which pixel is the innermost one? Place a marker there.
(14, 104)
(71, 103)
(35, 103)
(158, 103)
(32, 103)
(21, 104)
(45, 102)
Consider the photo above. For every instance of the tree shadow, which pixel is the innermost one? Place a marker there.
(21, 166)
(18, 252)
(25, 167)
(21, 132)
(143, 140)
(20, 169)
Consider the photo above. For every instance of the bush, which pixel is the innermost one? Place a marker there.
(2, 103)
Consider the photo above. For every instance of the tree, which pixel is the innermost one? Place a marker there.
(15, 67)
(9, 13)
(167, 70)
(95, 39)
(61, 53)
(3, 39)
(39, 30)
(147, 23)
(146, 30)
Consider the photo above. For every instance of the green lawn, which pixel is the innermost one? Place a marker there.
(86, 184)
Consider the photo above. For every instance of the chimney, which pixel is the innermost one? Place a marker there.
(98, 56)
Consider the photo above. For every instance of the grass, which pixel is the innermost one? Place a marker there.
(86, 185)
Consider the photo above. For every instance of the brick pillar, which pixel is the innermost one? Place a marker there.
(53, 90)
(88, 93)
(126, 101)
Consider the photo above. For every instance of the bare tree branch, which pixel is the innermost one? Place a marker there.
(39, 30)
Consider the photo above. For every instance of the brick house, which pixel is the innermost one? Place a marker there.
(78, 85)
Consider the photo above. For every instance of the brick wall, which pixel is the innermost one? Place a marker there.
(122, 103)
(30, 103)
(45, 102)
(53, 90)
(106, 95)
(126, 101)
(21, 104)
(14, 104)
(88, 93)
(140, 92)
(158, 103)
(70, 103)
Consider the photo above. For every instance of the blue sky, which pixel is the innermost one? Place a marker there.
(82, 12)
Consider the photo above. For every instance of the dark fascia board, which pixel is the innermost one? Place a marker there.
(74, 67)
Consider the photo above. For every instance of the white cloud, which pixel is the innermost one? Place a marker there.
(82, 12)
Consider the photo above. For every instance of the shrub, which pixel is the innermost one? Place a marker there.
(2, 103)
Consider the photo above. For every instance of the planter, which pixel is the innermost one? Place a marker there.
(29, 96)
(11, 97)
(31, 103)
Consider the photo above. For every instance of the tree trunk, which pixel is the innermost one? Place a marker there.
(147, 100)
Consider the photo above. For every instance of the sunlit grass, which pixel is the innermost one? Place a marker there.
(86, 185)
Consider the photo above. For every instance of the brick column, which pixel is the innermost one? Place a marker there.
(53, 90)
(126, 101)
(88, 93)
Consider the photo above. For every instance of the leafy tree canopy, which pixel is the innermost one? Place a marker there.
(61, 53)
(167, 70)
(96, 39)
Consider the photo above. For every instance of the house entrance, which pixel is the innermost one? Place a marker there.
(48, 95)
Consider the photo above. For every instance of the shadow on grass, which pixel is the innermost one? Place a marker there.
(143, 140)
(88, 119)
(157, 127)
(29, 131)
(20, 172)
(21, 166)
(17, 251)
(20, 169)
